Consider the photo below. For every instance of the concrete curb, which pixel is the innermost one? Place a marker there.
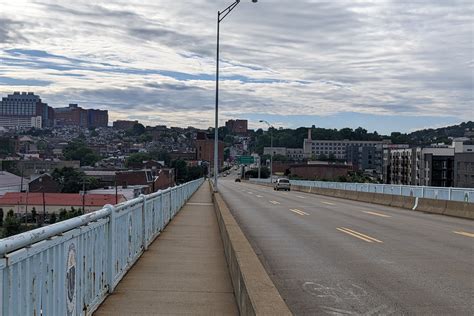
(254, 291)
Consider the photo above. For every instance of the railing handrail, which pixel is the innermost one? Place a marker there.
(15, 242)
(19, 241)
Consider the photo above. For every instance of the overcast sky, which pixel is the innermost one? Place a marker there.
(386, 65)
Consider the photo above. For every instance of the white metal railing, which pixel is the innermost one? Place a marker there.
(439, 193)
(68, 268)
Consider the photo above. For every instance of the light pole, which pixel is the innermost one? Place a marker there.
(220, 17)
(271, 146)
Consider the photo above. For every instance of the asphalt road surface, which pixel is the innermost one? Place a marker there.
(330, 256)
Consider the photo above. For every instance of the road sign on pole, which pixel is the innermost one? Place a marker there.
(246, 160)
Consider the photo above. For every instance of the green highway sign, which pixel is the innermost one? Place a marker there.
(245, 160)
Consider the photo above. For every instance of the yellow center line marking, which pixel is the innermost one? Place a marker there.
(356, 236)
(465, 234)
(376, 214)
(360, 234)
(259, 196)
(328, 203)
(299, 212)
(274, 202)
(299, 196)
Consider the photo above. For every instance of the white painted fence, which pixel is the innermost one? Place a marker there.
(68, 268)
(438, 193)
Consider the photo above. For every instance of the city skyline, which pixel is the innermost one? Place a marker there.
(385, 66)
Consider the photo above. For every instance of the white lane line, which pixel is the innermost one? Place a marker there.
(328, 203)
(250, 192)
(259, 196)
(376, 214)
(299, 212)
(465, 234)
(274, 202)
(299, 196)
(199, 203)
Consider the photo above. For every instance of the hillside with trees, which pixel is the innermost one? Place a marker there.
(293, 138)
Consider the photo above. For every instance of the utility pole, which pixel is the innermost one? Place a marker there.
(83, 196)
(44, 206)
(116, 190)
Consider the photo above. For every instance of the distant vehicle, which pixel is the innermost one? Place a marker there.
(282, 184)
(237, 180)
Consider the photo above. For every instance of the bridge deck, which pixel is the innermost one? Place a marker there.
(183, 272)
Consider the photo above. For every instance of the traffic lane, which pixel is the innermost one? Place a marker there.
(414, 220)
(350, 271)
(451, 233)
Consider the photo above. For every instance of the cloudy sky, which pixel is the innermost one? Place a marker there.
(386, 65)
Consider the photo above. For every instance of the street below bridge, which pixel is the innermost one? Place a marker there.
(330, 256)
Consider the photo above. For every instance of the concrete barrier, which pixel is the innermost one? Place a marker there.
(351, 195)
(365, 197)
(383, 199)
(431, 206)
(459, 209)
(254, 291)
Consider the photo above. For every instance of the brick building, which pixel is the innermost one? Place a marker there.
(124, 124)
(205, 151)
(239, 127)
(74, 115)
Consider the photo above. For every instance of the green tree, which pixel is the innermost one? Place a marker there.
(281, 158)
(78, 150)
(145, 138)
(33, 214)
(71, 180)
(137, 159)
(181, 170)
(62, 214)
(1, 216)
(161, 155)
(195, 172)
(11, 225)
(53, 218)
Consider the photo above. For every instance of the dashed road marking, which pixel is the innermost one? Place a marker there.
(376, 214)
(259, 196)
(299, 196)
(328, 203)
(465, 234)
(274, 202)
(249, 192)
(299, 212)
(358, 235)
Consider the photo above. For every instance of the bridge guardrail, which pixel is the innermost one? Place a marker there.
(68, 268)
(436, 193)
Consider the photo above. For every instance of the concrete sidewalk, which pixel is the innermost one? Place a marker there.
(183, 272)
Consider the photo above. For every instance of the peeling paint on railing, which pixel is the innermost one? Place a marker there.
(68, 268)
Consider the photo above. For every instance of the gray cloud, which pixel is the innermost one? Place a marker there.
(9, 31)
(322, 57)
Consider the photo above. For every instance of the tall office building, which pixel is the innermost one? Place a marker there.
(25, 110)
(74, 115)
